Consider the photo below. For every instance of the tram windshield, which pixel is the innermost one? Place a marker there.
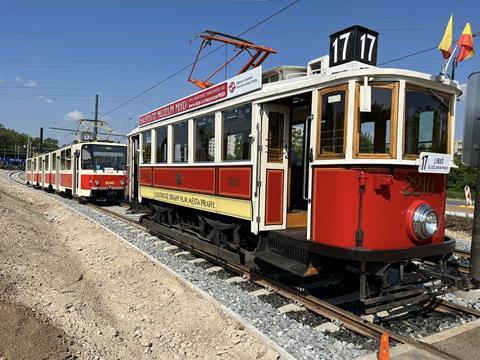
(103, 157)
(427, 116)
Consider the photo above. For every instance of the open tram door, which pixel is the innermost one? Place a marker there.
(284, 163)
(274, 166)
(133, 168)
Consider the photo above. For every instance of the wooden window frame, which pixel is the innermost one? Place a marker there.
(394, 86)
(417, 88)
(321, 94)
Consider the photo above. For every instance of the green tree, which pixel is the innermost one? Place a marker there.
(460, 177)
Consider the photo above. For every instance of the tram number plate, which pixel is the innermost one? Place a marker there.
(419, 185)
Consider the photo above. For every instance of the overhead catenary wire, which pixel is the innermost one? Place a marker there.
(179, 71)
(419, 52)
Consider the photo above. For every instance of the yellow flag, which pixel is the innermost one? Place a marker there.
(445, 45)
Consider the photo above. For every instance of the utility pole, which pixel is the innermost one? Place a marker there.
(95, 129)
(41, 139)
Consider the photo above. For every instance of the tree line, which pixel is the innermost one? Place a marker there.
(13, 143)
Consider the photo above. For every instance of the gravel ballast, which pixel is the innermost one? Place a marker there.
(302, 341)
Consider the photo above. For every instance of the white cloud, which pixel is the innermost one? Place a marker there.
(45, 99)
(26, 83)
(74, 115)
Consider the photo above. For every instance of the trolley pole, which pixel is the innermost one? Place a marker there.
(95, 128)
(475, 249)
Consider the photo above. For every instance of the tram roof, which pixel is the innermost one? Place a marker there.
(303, 81)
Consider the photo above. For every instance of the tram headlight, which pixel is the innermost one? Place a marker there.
(122, 183)
(97, 182)
(424, 222)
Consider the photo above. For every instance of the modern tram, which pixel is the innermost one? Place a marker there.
(86, 170)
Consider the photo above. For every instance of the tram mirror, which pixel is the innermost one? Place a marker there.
(471, 130)
(365, 98)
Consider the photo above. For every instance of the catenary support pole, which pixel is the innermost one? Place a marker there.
(95, 129)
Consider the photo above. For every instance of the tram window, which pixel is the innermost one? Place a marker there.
(54, 161)
(68, 159)
(375, 129)
(161, 134)
(237, 125)
(205, 138)
(180, 142)
(331, 137)
(146, 147)
(276, 142)
(62, 160)
(47, 158)
(426, 121)
(87, 163)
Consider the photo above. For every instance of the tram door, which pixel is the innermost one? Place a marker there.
(57, 171)
(42, 164)
(133, 167)
(274, 166)
(76, 172)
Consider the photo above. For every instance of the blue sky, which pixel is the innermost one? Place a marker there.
(57, 54)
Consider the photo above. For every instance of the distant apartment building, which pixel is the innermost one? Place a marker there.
(457, 147)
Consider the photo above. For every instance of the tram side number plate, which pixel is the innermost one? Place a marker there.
(434, 163)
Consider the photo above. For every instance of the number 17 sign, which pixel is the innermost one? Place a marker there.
(355, 43)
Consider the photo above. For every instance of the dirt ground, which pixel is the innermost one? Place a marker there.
(70, 289)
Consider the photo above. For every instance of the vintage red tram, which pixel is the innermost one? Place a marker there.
(336, 165)
(87, 170)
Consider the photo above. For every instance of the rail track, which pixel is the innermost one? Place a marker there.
(464, 260)
(15, 176)
(320, 307)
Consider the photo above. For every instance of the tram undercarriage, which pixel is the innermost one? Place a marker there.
(374, 286)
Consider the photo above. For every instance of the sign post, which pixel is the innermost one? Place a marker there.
(468, 196)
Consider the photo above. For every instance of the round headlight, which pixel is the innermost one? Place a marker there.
(122, 183)
(424, 222)
(97, 182)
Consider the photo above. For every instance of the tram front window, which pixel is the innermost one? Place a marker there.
(102, 157)
(426, 121)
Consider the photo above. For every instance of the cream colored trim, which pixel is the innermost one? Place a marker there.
(400, 119)
(350, 121)
(190, 141)
(218, 137)
(169, 144)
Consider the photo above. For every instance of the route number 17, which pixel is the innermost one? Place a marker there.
(355, 43)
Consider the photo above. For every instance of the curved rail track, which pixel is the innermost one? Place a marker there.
(318, 306)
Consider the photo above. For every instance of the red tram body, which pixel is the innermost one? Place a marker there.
(336, 166)
(88, 170)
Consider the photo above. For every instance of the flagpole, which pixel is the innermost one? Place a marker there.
(447, 63)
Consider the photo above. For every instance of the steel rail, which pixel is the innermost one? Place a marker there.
(320, 307)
